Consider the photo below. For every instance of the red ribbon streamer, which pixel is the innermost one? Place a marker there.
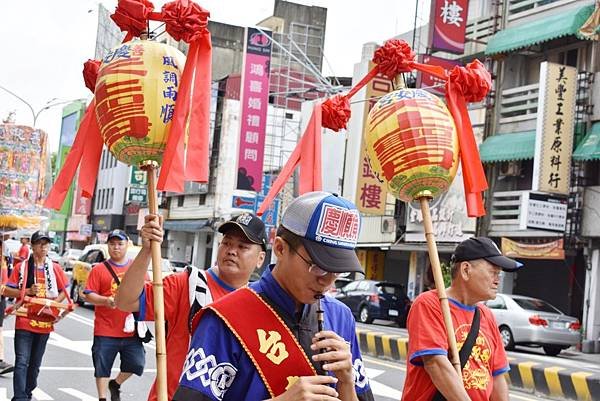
(90, 73)
(86, 141)
(308, 154)
(188, 22)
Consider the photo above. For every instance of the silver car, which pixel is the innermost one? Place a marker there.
(533, 322)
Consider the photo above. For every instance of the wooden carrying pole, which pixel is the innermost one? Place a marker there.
(439, 284)
(157, 286)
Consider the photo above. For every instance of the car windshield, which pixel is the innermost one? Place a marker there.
(536, 305)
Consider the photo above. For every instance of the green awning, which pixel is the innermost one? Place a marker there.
(589, 148)
(539, 31)
(507, 147)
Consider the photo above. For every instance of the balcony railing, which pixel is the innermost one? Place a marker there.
(524, 8)
(519, 104)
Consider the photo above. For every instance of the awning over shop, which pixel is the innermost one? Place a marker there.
(539, 31)
(508, 147)
(589, 148)
(190, 226)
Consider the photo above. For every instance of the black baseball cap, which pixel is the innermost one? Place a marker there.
(252, 227)
(120, 234)
(40, 235)
(484, 248)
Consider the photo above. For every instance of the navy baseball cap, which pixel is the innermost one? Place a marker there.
(484, 248)
(328, 227)
(252, 227)
(120, 234)
(39, 236)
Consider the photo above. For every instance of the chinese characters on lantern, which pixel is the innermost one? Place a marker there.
(371, 193)
(555, 128)
(254, 107)
(447, 33)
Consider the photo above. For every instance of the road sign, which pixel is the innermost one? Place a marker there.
(243, 202)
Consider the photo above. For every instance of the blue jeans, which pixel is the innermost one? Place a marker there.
(29, 351)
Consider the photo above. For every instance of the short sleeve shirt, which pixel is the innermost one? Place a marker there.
(177, 309)
(427, 336)
(217, 367)
(108, 322)
(36, 326)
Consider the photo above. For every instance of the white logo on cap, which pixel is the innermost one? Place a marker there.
(338, 226)
(496, 246)
(244, 219)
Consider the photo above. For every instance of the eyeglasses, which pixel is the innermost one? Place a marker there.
(313, 268)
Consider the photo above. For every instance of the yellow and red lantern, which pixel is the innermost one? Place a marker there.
(412, 144)
(135, 93)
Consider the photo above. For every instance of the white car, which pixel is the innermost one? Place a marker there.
(68, 257)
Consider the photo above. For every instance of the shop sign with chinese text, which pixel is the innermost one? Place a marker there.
(447, 33)
(548, 250)
(254, 105)
(371, 192)
(555, 127)
(547, 212)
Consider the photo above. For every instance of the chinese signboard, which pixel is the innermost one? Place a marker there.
(138, 182)
(371, 193)
(22, 169)
(254, 105)
(554, 130)
(447, 33)
(448, 215)
(549, 250)
(547, 212)
(137, 194)
(434, 84)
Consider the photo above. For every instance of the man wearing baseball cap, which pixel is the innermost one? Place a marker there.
(476, 267)
(240, 252)
(269, 343)
(113, 329)
(42, 278)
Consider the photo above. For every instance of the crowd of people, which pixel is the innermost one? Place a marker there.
(293, 342)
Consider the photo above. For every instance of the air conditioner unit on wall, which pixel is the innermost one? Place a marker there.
(510, 169)
(388, 224)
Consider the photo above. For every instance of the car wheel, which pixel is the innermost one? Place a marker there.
(75, 296)
(552, 350)
(364, 316)
(507, 338)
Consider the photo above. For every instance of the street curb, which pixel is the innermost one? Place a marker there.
(529, 376)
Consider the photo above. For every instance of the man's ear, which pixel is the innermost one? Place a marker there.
(261, 258)
(464, 270)
(279, 246)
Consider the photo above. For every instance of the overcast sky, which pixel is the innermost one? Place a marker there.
(44, 43)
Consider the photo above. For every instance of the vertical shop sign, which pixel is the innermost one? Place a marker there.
(254, 106)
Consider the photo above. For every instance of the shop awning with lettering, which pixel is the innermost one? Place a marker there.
(564, 23)
(589, 148)
(508, 147)
(186, 225)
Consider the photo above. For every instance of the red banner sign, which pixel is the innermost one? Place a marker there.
(447, 32)
(432, 83)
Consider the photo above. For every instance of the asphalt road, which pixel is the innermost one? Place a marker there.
(67, 372)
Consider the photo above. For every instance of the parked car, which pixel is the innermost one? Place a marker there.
(99, 253)
(69, 257)
(370, 299)
(338, 284)
(55, 257)
(534, 322)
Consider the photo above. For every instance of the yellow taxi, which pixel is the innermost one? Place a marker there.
(98, 253)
